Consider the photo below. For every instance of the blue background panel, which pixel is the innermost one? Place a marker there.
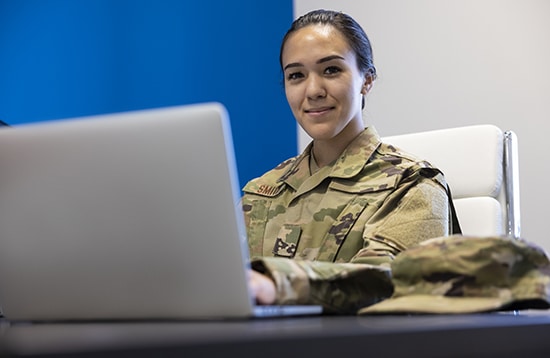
(66, 58)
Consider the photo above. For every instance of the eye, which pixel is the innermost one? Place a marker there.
(292, 76)
(332, 70)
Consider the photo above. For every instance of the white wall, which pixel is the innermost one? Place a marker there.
(447, 63)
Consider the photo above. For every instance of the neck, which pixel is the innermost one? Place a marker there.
(327, 151)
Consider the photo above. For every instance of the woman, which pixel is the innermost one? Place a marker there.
(323, 226)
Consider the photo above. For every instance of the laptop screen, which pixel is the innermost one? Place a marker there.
(128, 215)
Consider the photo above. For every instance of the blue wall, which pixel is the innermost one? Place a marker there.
(68, 58)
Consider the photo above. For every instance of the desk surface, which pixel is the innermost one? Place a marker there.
(526, 334)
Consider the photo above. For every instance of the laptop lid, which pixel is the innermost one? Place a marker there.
(123, 216)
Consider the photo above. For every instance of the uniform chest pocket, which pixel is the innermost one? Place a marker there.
(366, 185)
(370, 193)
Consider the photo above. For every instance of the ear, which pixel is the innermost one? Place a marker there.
(367, 84)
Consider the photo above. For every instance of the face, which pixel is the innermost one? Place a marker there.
(323, 84)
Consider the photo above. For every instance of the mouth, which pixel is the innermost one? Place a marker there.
(318, 110)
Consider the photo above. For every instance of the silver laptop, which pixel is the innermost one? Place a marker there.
(124, 216)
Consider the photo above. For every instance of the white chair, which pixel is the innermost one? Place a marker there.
(480, 163)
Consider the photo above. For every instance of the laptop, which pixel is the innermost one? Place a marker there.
(125, 216)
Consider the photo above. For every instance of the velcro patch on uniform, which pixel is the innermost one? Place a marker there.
(368, 186)
(287, 241)
(264, 189)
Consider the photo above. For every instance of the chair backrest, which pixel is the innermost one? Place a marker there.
(480, 163)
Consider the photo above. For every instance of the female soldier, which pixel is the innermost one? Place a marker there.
(323, 226)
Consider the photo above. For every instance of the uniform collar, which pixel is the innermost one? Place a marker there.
(349, 164)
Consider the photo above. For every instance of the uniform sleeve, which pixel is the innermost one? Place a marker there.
(409, 216)
(341, 288)
(413, 213)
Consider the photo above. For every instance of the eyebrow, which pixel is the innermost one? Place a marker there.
(324, 59)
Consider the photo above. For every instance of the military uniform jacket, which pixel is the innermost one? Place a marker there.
(328, 237)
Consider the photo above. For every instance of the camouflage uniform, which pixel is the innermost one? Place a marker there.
(343, 224)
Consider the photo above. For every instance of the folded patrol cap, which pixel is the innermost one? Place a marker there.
(464, 274)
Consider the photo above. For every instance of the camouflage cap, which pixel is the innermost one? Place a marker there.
(462, 274)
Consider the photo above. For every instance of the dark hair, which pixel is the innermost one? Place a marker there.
(352, 31)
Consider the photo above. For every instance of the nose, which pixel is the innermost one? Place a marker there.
(315, 88)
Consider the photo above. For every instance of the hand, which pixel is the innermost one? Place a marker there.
(262, 288)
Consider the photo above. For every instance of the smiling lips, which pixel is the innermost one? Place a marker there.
(318, 111)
